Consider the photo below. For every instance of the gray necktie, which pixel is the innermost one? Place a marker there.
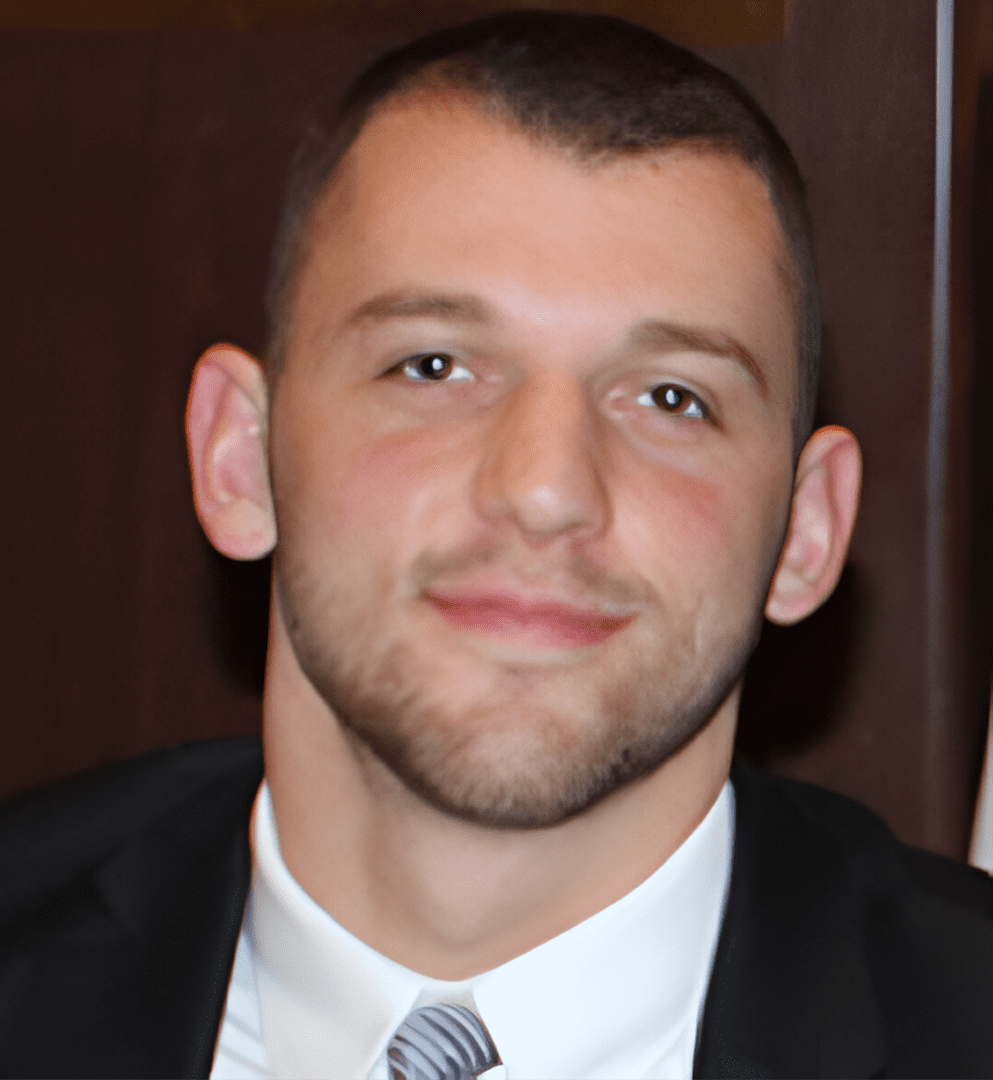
(441, 1042)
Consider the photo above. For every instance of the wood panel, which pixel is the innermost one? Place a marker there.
(693, 22)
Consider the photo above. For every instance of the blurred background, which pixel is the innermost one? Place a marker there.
(143, 152)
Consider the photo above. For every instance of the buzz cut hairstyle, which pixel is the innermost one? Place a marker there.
(594, 86)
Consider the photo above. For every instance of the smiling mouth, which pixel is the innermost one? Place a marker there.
(542, 624)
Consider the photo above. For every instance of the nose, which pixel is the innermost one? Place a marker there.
(541, 468)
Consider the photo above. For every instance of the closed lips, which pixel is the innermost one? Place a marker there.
(542, 623)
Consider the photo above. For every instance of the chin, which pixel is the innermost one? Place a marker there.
(522, 760)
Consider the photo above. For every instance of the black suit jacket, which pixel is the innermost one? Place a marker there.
(842, 953)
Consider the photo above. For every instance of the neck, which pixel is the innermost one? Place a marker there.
(447, 898)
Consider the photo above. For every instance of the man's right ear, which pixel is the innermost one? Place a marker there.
(226, 418)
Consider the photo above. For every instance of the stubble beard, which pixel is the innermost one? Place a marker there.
(542, 744)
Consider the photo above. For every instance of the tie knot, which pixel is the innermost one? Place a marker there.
(441, 1042)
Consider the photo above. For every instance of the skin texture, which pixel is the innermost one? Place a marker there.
(513, 604)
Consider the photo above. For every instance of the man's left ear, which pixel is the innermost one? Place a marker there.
(825, 501)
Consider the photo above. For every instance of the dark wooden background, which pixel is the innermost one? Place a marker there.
(140, 181)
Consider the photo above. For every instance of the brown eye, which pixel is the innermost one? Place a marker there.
(675, 400)
(434, 367)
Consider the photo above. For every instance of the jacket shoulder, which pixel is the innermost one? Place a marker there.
(57, 834)
(877, 957)
(866, 846)
(121, 895)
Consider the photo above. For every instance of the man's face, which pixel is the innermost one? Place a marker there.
(531, 455)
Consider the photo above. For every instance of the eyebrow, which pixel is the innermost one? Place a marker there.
(454, 308)
(658, 335)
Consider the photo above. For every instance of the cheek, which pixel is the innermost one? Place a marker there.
(702, 539)
(680, 523)
(380, 490)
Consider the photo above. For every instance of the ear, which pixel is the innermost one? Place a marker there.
(226, 435)
(825, 501)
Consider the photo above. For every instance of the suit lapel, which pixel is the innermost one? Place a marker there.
(790, 994)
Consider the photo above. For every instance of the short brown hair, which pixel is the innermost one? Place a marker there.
(597, 86)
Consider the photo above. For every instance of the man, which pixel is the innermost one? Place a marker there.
(533, 449)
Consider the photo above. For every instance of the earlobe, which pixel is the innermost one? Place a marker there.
(825, 502)
(226, 436)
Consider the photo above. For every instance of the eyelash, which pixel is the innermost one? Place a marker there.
(650, 398)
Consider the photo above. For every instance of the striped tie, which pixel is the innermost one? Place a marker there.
(441, 1042)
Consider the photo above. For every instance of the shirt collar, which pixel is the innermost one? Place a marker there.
(612, 996)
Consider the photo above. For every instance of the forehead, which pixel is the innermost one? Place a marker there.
(437, 193)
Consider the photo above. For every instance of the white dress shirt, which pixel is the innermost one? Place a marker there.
(618, 996)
